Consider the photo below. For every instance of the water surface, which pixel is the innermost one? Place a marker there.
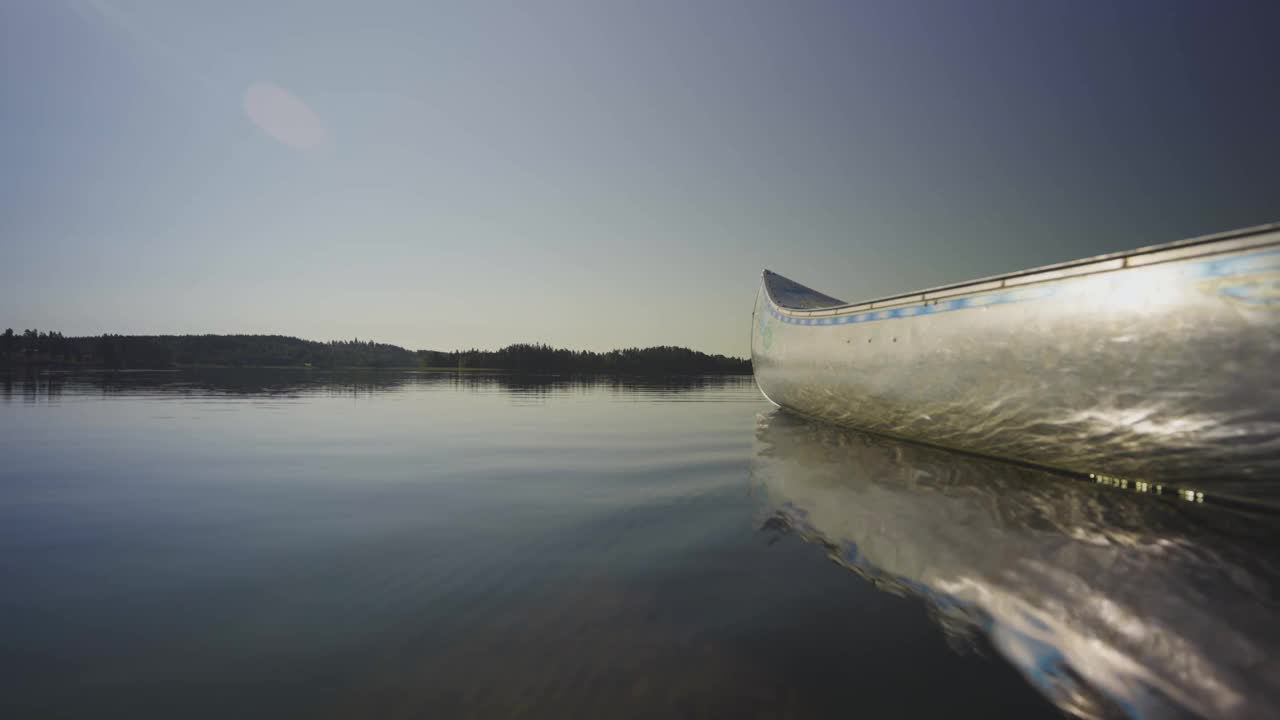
(280, 544)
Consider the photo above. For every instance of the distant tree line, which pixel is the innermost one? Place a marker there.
(166, 351)
(538, 358)
(34, 347)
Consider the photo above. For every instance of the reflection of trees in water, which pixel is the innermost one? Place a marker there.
(297, 382)
(546, 384)
(1107, 601)
(31, 387)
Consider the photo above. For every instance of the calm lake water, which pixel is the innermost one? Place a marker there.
(290, 544)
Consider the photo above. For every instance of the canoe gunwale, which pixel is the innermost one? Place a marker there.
(1206, 245)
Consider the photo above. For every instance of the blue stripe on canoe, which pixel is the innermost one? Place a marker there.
(1266, 260)
(1239, 264)
(935, 307)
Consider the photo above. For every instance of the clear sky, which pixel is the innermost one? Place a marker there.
(599, 174)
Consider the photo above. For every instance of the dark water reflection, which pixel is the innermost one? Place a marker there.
(1111, 604)
(388, 544)
(49, 385)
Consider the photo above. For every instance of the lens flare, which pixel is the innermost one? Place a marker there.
(280, 114)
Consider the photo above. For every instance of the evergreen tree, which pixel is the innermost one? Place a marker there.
(109, 352)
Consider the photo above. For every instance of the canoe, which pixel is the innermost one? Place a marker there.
(1109, 603)
(1157, 365)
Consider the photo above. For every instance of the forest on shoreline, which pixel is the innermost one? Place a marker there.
(154, 352)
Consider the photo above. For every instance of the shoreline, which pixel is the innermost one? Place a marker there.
(95, 369)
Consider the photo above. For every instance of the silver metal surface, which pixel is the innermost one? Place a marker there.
(1161, 364)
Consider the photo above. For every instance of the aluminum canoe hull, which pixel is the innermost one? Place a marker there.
(1161, 363)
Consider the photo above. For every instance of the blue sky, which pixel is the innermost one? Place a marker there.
(599, 174)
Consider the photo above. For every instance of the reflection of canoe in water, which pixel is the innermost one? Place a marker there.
(1110, 603)
(1158, 364)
